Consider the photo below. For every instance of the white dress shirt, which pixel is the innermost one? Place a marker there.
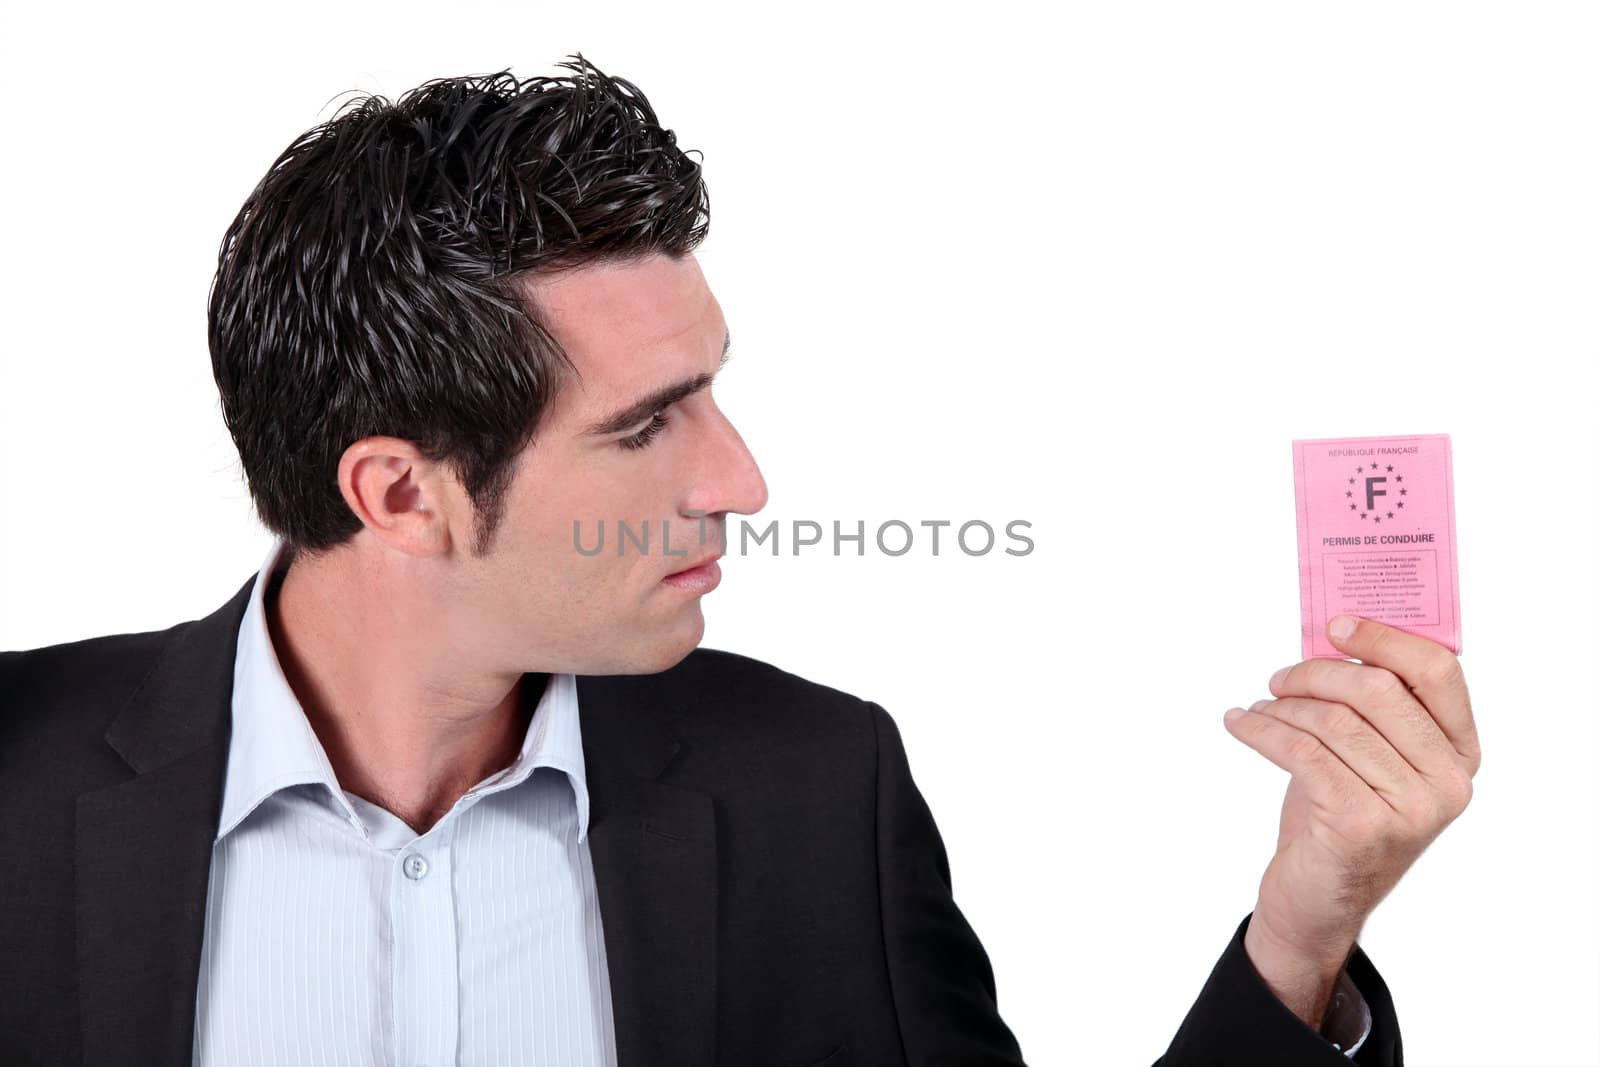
(1348, 1013)
(334, 934)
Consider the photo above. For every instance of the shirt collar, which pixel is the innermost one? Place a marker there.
(273, 746)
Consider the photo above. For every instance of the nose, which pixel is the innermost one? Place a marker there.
(730, 479)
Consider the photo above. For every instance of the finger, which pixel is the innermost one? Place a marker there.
(1378, 695)
(1324, 775)
(1354, 740)
(1431, 671)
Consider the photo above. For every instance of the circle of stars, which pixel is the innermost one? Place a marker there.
(1376, 518)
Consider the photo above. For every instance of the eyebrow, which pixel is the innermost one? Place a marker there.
(642, 409)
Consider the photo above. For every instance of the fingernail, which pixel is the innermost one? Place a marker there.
(1277, 679)
(1258, 705)
(1233, 714)
(1342, 627)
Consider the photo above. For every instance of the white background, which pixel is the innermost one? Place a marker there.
(1093, 269)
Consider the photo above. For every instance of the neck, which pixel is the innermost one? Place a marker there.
(407, 722)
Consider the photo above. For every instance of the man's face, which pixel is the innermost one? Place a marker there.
(633, 332)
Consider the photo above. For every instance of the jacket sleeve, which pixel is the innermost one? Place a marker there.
(1238, 1020)
(940, 977)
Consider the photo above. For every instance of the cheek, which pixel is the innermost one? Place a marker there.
(597, 494)
(548, 507)
(599, 576)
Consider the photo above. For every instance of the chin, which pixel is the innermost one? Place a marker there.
(671, 648)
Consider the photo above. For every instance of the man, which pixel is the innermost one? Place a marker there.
(436, 786)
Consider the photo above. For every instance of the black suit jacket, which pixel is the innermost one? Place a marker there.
(773, 889)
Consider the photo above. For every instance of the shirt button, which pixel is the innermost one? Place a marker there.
(415, 867)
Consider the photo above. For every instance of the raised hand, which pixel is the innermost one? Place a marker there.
(1381, 755)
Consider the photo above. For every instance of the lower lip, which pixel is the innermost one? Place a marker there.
(701, 579)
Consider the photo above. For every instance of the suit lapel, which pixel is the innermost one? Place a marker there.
(143, 850)
(654, 850)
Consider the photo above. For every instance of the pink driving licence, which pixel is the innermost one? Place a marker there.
(1376, 517)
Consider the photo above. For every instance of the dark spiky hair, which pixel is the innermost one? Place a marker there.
(369, 284)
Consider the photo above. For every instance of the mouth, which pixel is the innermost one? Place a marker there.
(700, 578)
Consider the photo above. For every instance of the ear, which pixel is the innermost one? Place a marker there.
(401, 497)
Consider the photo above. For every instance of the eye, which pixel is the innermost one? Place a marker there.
(657, 423)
